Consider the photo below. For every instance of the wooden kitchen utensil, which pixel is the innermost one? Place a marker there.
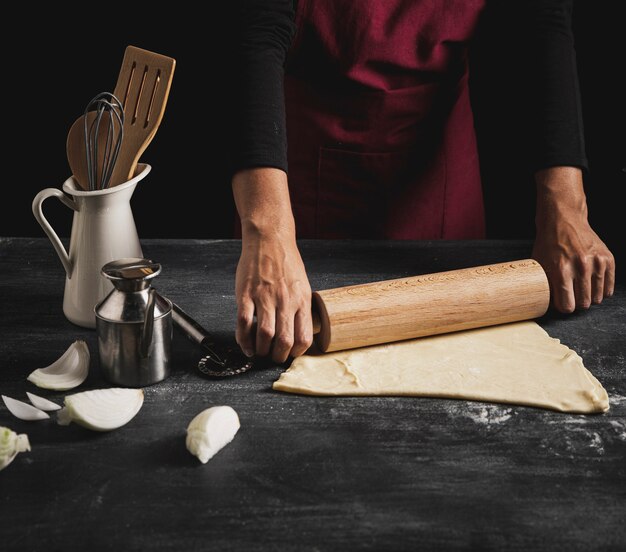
(143, 87)
(100, 130)
(417, 306)
(77, 153)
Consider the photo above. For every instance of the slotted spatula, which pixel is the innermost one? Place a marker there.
(143, 86)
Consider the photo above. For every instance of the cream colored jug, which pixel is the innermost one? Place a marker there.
(103, 230)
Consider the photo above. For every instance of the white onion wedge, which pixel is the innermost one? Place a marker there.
(10, 445)
(210, 431)
(101, 409)
(67, 372)
(41, 403)
(24, 411)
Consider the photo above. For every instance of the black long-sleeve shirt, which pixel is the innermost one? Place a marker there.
(548, 65)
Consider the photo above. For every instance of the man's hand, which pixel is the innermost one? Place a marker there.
(579, 266)
(271, 283)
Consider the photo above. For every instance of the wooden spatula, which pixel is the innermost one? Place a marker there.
(143, 86)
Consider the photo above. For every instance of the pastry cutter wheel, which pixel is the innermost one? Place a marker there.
(221, 359)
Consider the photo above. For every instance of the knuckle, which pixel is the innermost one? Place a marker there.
(561, 263)
(265, 331)
(598, 270)
(584, 264)
(262, 286)
(244, 318)
(282, 294)
(259, 294)
(600, 261)
(560, 285)
(303, 341)
(301, 289)
(304, 301)
(284, 342)
(244, 300)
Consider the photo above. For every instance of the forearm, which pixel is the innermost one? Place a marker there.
(560, 193)
(262, 201)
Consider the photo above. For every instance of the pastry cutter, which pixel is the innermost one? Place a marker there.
(221, 359)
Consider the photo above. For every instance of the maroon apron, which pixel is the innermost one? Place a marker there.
(380, 131)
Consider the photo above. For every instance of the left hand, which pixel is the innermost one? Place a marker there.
(579, 266)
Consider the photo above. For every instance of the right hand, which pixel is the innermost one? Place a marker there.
(271, 283)
(579, 266)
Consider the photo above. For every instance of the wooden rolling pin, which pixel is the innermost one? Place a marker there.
(417, 306)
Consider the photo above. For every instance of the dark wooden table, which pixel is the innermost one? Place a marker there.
(305, 473)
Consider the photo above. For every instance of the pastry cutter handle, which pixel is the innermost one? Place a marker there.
(189, 326)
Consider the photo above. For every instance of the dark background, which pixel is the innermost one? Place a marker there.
(62, 63)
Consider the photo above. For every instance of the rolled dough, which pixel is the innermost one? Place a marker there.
(516, 363)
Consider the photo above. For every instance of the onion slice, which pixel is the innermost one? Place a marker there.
(24, 411)
(41, 403)
(210, 431)
(10, 445)
(67, 372)
(101, 409)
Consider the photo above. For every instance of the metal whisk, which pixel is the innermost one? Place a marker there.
(103, 138)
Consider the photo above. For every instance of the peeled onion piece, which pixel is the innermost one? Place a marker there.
(67, 372)
(10, 445)
(41, 403)
(24, 411)
(101, 409)
(210, 431)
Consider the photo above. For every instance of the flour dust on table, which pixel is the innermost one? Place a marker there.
(517, 363)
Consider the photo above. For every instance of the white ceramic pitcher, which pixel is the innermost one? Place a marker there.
(103, 230)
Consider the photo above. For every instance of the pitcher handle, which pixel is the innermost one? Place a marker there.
(43, 221)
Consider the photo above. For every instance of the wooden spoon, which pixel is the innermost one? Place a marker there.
(77, 151)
